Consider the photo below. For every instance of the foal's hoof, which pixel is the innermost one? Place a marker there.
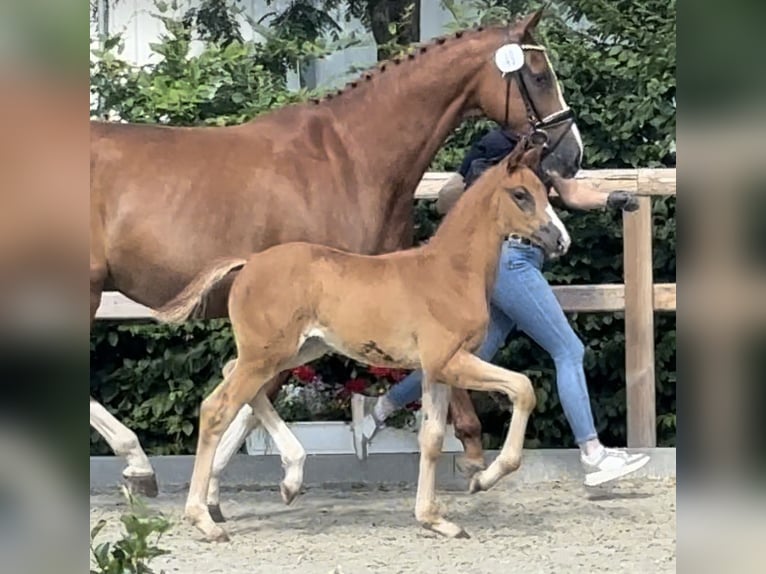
(447, 529)
(145, 485)
(215, 513)
(462, 534)
(218, 534)
(288, 494)
(475, 484)
(469, 467)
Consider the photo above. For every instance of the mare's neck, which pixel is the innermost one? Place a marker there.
(399, 115)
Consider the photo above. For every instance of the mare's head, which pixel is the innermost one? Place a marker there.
(518, 88)
(522, 199)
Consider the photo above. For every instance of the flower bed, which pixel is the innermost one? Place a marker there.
(313, 393)
(318, 412)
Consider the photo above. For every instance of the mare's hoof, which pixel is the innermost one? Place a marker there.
(145, 485)
(468, 468)
(215, 513)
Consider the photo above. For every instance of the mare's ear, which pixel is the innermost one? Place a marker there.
(529, 22)
(516, 155)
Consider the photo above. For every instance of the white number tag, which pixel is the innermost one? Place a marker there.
(509, 58)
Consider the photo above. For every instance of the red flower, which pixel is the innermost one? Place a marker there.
(304, 373)
(380, 371)
(395, 375)
(355, 386)
(398, 374)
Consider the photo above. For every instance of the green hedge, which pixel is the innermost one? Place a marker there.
(619, 78)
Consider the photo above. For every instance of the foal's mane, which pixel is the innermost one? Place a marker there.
(483, 189)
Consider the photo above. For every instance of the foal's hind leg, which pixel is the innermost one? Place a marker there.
(470, 372)
(216, 414)
(244, 423)
(292, 451)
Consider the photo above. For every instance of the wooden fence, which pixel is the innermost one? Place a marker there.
(638, 297)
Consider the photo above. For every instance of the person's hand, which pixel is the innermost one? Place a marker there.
(625, 200)
(450, 193)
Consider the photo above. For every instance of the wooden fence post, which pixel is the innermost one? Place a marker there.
(639, 326)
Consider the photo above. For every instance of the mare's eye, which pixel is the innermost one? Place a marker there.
(542, 79)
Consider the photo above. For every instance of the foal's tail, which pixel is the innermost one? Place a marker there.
(188, 302)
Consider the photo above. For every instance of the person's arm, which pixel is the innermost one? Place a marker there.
(579, 195)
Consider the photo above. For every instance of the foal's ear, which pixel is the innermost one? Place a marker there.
(531, 157)
(516, 155)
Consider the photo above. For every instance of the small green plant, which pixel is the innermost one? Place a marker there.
(132, 553)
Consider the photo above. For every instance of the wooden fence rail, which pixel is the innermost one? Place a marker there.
(639, 297)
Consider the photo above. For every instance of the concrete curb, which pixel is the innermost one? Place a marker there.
(259, 472)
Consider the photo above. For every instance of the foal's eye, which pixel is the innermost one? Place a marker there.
(519, 193)
(542, 79)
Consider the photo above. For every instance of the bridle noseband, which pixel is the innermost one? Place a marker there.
(538, 125)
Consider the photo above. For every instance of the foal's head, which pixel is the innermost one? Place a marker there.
(522, 199)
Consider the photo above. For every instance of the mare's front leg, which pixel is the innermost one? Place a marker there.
(470, 372)
(427, 511)
(468, 432)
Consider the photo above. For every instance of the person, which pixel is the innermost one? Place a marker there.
(523, 299)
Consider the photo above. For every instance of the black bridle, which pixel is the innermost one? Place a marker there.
(539, 126)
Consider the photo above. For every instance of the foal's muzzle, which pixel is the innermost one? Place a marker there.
(550, 239)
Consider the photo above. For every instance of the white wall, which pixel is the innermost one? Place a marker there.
(134, 19)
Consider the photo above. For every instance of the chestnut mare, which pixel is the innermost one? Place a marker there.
(425, 307)
(341, 172)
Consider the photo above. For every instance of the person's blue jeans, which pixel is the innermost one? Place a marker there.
(522, 298)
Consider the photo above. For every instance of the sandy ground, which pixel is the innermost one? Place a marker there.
(551, 528)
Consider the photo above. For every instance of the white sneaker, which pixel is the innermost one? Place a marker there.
(611, 464)
(363, 422)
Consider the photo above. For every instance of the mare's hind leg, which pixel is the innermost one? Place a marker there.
(138, 474)
(470, 372)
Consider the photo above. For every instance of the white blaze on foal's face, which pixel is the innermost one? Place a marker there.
(565, 241)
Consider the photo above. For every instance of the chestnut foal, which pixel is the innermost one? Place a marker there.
(425, 307)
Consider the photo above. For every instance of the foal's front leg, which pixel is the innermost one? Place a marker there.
(470, 372)
(435, 405)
